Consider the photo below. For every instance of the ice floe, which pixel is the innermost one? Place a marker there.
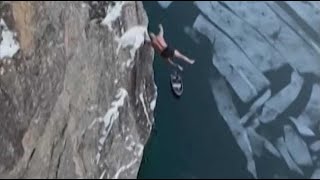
(297, 148)
(281, 101)
(302, 128)
(133, 38)
(310, 117)
(228, 111)
(308, 12)
(113, 13)
(242, 75)
(259, 50)
(8, 45)
(281, 146)
(256, 105)
(259, 143)
(269, 22)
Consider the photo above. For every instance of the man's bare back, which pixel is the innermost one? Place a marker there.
(167, 52)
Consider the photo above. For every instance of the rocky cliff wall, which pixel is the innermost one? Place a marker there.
(76, 89)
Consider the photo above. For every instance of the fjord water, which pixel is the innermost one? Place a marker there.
(190, 139)
(243, 51)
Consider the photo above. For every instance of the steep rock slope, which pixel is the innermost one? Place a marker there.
(76, 89)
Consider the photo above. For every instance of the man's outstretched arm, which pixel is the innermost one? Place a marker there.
(161, 30)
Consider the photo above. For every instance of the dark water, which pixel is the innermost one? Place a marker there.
(190, 138)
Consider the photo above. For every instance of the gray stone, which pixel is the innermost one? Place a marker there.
(63, 81)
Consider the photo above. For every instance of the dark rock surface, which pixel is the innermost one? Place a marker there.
(63, 82)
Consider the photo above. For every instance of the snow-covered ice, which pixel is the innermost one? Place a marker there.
(133, 38)
(113, 113)
(113, 13)
(145, 109)
(8, 45)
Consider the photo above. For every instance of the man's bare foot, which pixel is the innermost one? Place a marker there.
(191, 61)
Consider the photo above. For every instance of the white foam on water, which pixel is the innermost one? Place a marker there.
(113, 13)
(8, 46)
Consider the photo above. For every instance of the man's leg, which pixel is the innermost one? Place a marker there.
(177, 54)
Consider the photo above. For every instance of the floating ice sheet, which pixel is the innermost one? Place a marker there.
(258, 49)
(310, 117)
(297, 148)
(242, 75)
(302, 128)
(228, 111)
(280, 144)
(281, 101)
(291, 45)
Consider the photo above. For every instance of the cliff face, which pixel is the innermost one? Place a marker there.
(76, 89)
